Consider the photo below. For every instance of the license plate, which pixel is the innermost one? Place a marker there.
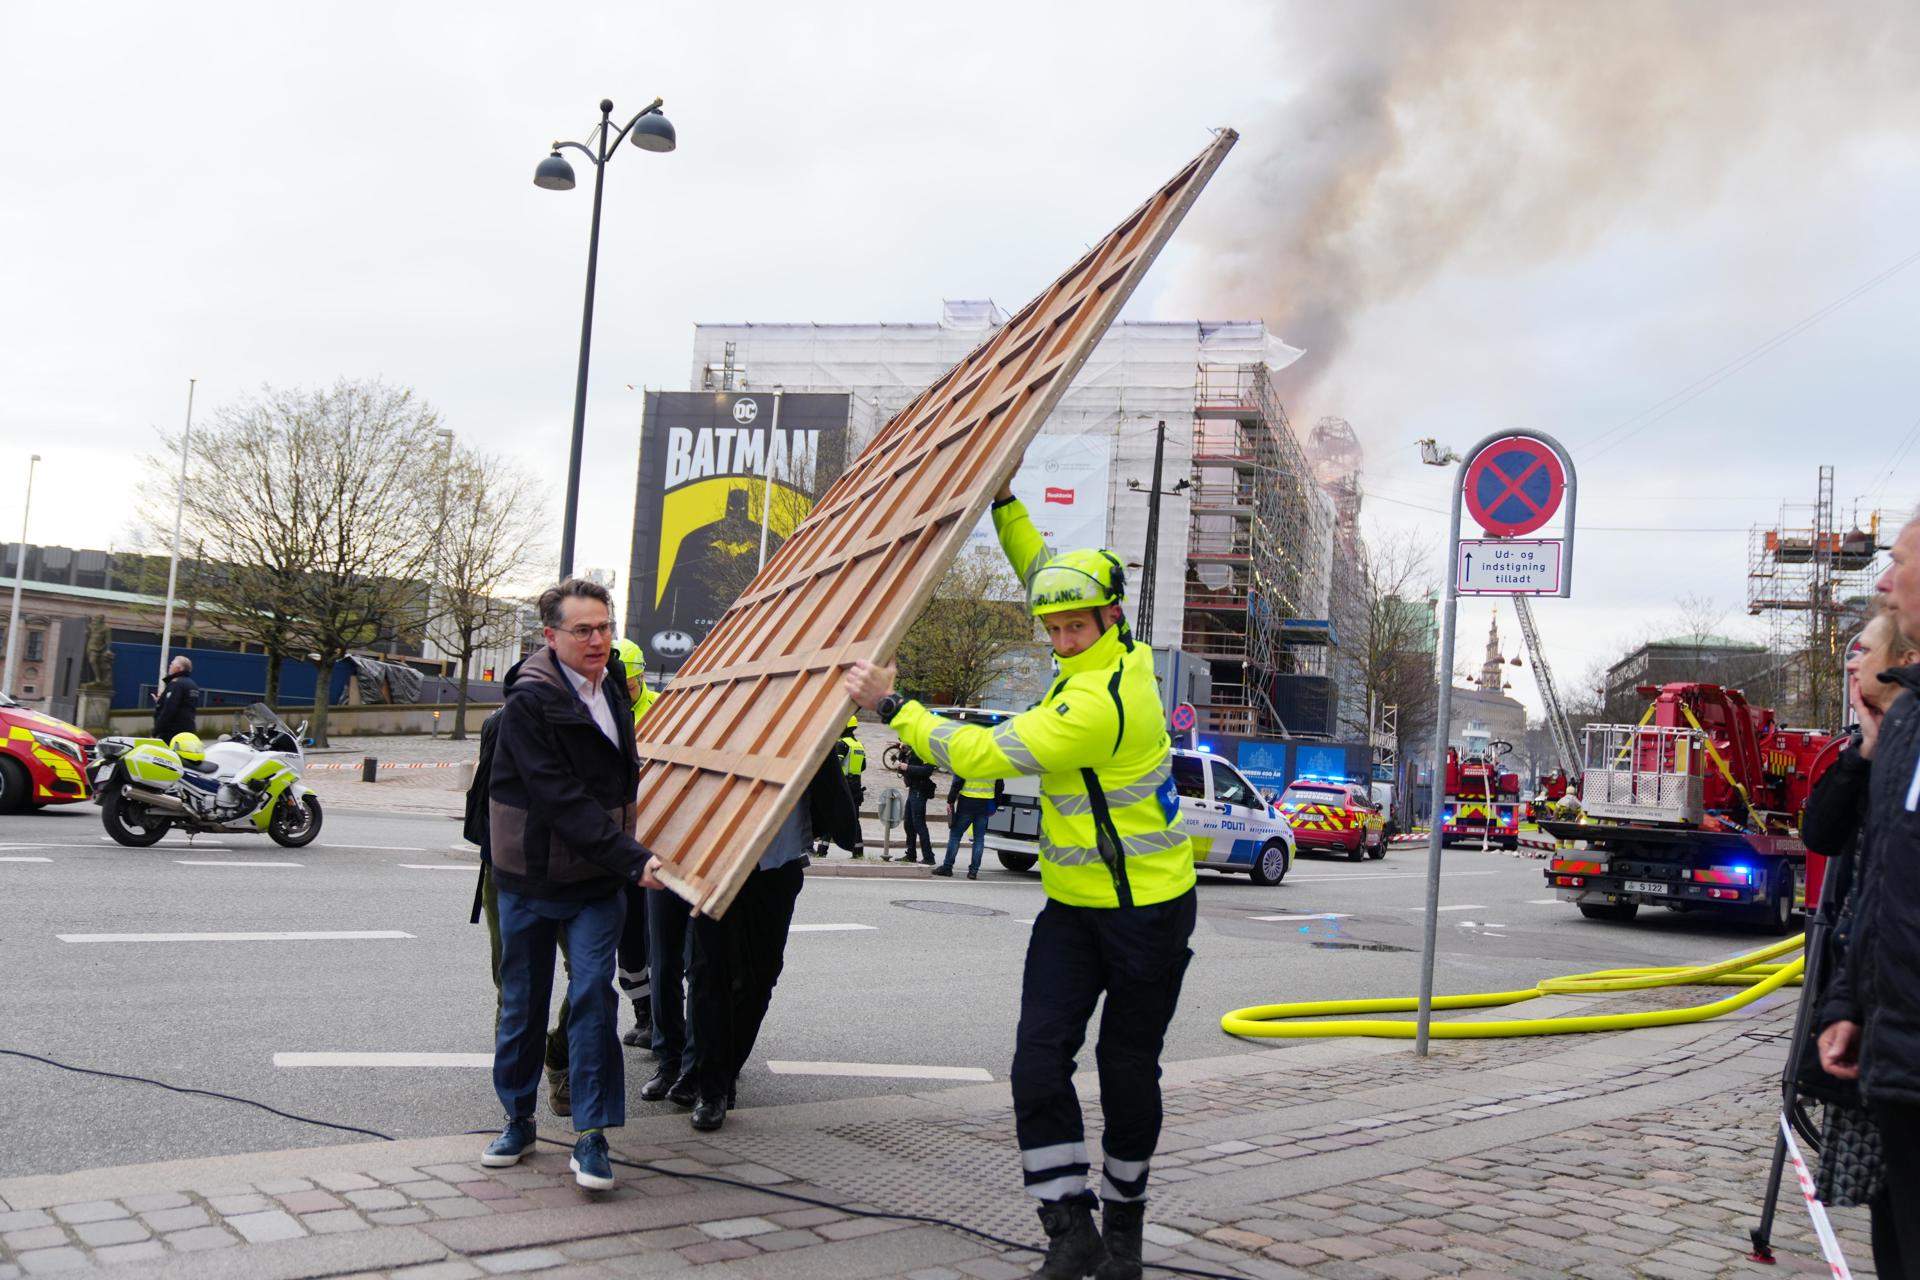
(1645, 886)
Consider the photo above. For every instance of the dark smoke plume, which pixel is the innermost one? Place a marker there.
(1440, 134)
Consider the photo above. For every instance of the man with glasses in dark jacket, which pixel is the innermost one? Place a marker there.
(1873, 1012)
(560, 831)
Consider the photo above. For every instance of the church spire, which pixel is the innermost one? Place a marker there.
(1492, 675)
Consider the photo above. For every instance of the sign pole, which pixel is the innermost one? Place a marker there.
(1560, 493)
(1443, 719)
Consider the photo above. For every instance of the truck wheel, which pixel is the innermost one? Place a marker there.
(130, 824)
(1271, 866)
(1017, 861)
(1617, 912)
(1777, 916)
(15, 786)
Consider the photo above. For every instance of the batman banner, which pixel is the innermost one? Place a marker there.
(721, 474)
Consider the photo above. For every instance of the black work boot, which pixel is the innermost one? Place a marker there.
(1073, 1245)
(642, 1034)
(1120, 1222)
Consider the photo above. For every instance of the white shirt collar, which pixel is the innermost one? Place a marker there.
(586, 688)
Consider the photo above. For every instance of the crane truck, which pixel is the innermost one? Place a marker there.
(1695, 808)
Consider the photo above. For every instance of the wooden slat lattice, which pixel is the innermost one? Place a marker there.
(737, 736)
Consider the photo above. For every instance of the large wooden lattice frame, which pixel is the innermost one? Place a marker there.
(742, 728)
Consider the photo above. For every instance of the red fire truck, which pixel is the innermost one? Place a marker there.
(1482, 804)
(1696, 807)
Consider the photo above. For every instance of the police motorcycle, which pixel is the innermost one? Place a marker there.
(247, 782)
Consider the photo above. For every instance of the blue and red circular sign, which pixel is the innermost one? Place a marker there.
(1183, 717)
(1514, 485)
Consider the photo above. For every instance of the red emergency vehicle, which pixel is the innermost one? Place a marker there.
(1333, 815)
(42, 760)
(1696, 807)
(1482, 804)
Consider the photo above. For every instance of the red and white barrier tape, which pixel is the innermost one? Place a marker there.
(1829, 1243)
(384, 765)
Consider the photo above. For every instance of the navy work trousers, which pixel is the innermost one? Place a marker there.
(1137, 957)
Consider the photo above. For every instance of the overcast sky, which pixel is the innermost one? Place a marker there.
(1537, 224)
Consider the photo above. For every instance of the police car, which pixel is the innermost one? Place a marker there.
(1231, 824)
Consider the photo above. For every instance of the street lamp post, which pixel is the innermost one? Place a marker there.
(19, 576)
(650, 131)
(173, 551)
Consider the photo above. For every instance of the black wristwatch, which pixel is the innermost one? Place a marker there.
(890, 707)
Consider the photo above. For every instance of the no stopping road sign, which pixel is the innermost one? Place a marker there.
(1514, 485)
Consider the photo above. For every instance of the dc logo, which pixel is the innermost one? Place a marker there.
(745, 411)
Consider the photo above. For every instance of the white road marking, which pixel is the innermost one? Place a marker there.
(1390, 875)
(1458, 906)
(18, 859)
(383, 1060)
(880, 1071)
(196, 862)
(831, 928)
(433, 866)
(1543, 902)
(383, 848)
(187, 845)
(343, 935)
(1324, 915)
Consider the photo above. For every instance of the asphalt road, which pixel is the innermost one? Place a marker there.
(929, 977)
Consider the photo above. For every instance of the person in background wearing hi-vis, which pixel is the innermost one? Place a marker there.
(632, 971)
(970, 802)
(1118, 872)
(853, 762)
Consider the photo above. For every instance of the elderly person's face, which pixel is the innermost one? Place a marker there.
(1901, 582)
(1876, 650)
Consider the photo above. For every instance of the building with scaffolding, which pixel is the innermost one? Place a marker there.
(1813, 583)
(1244, 566)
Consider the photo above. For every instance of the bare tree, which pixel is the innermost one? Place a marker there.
(970, 633)
(489, 513)
(253, 513)
(1398, 628)
(359, 448)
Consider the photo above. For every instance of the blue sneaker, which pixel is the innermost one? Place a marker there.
(591, 1168)
(514, 1141)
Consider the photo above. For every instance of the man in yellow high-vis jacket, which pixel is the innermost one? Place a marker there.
(1118, 873)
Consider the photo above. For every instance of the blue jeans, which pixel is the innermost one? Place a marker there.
(968, 813)
(667, 956)
(590, 931)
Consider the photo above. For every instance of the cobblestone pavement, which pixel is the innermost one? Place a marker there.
(1639, 1154)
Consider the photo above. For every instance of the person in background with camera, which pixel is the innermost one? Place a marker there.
(918, 775)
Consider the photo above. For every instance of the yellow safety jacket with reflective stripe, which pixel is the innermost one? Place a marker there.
(976, 788)
(1110, 832)
(856, 762)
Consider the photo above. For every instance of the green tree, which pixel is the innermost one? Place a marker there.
(970, 633)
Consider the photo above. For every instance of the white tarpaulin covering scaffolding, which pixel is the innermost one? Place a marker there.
(1101, 433)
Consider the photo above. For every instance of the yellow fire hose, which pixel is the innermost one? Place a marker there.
(1752, 971)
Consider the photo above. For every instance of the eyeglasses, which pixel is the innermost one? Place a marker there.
(588, 630)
